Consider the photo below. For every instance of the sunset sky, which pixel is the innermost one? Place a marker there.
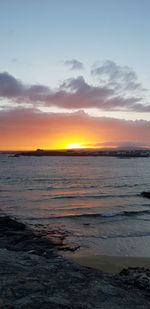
(74, 73)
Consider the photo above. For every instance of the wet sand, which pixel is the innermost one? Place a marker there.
(111, 264)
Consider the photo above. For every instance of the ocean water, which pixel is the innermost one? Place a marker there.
(96, 200)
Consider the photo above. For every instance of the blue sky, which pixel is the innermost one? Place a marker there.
(37, 35)
(74, 72)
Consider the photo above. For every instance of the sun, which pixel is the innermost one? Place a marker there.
(75, 146)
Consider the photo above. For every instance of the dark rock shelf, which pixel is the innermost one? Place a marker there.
(34, 275)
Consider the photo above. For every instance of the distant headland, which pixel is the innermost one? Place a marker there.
(121, 153)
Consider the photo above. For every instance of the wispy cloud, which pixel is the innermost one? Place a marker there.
(74, 64)
(14, 60)
(119, 78)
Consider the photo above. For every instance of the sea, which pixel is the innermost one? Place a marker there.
(96, 201)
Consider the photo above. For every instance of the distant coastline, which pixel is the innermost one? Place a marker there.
(121, 153)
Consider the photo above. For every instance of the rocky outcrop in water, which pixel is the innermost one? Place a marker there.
(33, 279)
(146, 194)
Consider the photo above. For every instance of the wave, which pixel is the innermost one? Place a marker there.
(105, 215)
(122, 186)
(41, 180)
(101, 196)
(82, 196)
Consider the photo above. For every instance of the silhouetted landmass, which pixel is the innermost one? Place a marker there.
(86, 152)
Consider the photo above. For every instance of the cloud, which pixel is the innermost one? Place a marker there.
(119, 144)
(14, 89)
(29, 128)
(76, 93)
(73, 93)
(74, 64)
(10, 87)
(119, 78)
(14, 60)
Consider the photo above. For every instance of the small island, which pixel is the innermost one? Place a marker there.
(120, 153)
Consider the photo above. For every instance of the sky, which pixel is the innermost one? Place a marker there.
(74, 73)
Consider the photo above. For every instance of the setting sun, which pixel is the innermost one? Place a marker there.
(75, 146)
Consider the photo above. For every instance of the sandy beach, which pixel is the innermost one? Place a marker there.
(111, 264)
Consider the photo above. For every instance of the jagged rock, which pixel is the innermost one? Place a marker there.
(32, 281)
(16, 236)
(146, 194)
(139, 277)
(9, 223)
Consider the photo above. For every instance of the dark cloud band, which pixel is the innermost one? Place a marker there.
(74, 93)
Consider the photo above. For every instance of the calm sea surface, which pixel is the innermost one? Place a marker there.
(95, 199)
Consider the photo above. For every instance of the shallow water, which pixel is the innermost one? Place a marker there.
(96, 199)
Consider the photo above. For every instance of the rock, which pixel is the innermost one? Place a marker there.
(9, 223)
(31, 281)
(18, 237)
(146, 194)
(34, 276)
(139, 277)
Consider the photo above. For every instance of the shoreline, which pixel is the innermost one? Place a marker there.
(18, 236)
(34, 275)
(111, 264)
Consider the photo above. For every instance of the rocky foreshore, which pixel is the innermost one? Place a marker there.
(34, 275)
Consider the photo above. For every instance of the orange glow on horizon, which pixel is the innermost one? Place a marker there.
(30, 131)
(73, 141)
(75, 146)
